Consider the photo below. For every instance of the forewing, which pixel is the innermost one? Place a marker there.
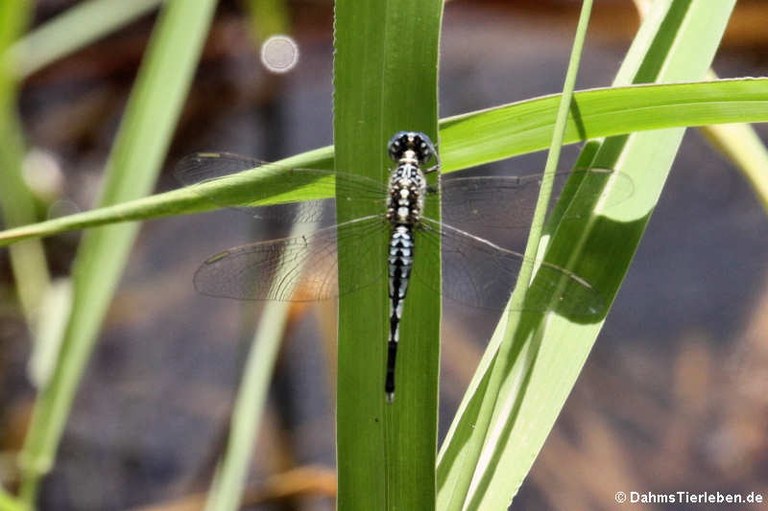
(200, 167)
(270, 182)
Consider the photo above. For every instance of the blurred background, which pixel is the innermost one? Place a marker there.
(674, 396)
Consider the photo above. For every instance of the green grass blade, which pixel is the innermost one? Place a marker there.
(385, 78)
(466, 141)
(74, 29)
(455, 495)
(267, 18)
(677, 42)
(49, 334)
(135, 161)
(231, 476)
(9, 503)
(742, 145)
(17, 204)
(526, 126)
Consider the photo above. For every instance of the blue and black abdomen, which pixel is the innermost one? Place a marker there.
(400, 263)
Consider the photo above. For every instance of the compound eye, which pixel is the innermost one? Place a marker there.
(425, 152)
(397, 145)
(425, 147)
(394, 150)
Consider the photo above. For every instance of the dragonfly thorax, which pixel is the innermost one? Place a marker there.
(405, 200)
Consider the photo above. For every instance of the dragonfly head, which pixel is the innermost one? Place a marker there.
(418, 143)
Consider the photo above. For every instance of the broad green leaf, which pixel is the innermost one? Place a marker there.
(386, 452)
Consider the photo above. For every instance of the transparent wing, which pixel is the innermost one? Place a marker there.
(200, 167)
(481, 273)
(484, 217)
(485, 205)
(270, 180)
(300, 268)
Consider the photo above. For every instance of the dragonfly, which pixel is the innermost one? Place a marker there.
(480, 269)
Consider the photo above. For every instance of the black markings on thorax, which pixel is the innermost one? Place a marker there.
(407, 187)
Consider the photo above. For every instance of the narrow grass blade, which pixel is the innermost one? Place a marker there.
(677, 42)
(466, 141)
(490, 406)
(30, 269)
(267, 18)
(742, 145)
(135, 161)
(76, 28)
(385, 78)
(57, 305)
(229, 483)
(9, 503)
(526, 126)
(737, 142)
